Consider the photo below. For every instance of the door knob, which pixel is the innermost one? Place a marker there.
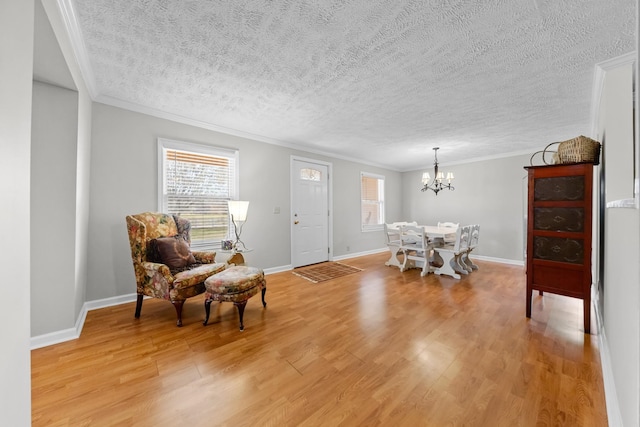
(296, 222)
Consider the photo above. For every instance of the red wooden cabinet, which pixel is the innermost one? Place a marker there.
(559, 229)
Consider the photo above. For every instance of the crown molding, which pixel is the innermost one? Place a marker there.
(70, 20)
(131, 106)
(599, 72)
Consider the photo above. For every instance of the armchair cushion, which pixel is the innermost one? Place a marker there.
(174, 252)
(189, 283)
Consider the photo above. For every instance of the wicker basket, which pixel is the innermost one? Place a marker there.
(553, 155)
(579, 150)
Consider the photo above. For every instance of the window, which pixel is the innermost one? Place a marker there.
(372, 201)
(308, 174)
(195, 182)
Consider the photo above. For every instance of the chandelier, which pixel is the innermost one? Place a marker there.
(437, 183)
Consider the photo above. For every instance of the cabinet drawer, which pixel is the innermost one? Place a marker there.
(559, 188)
(559, 219)
(558, 249)
(558, 280)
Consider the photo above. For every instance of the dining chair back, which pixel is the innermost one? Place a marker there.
(416, 248)
(473, 242)
(448, 238)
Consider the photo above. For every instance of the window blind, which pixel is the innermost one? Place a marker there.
(197, 187)
(372, 201)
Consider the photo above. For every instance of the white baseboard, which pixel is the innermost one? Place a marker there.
(610, 395)
(74, 333)
(499, 260)
(289, 267)
(56, 337)
(279, 269)
(359, 254)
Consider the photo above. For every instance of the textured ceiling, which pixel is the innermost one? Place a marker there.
(379, 80)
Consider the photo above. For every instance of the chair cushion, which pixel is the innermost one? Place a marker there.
(196, 275)
(174, 252)
(235, 280)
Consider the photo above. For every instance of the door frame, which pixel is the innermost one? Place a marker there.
(329, 167)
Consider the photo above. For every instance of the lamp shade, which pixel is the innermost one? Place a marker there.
(238, 209)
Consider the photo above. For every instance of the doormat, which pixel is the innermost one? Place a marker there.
(325, 271)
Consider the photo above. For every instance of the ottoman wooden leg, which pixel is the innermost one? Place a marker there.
(241, 306)
(207, 309)
(264, 291)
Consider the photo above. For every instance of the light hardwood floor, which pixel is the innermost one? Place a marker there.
(377, 347)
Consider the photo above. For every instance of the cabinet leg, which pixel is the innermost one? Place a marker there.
(529, 295)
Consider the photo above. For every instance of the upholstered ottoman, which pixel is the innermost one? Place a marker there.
(235, 284)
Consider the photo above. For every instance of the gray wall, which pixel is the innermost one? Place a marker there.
(61, 148)
(621, 299)
(54, 138)
(16, 69)
(490, 193)
(124, 181)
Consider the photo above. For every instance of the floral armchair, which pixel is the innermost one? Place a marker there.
(163, 263)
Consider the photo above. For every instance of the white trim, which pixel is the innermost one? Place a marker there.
(618, 61)
(359, 254)
(74, 333)
(480, 159)
(623, 203)
(478, 257)
(280, 269)
(610, 395)
(70, 20)
(126, 105)
(54, 338)
(519, 263)
(164, 144)
(600, 71)
(598, 84)
(596, 97)
(173, 144)
(365, 228)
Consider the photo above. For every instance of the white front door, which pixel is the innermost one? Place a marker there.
(309, 213)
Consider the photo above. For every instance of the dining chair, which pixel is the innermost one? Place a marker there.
(392, 236)
(448, 238)
(458, 262)
(473, 242)
(416, 249)
(448, 254)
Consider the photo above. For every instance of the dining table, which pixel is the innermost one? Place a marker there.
(433, 231)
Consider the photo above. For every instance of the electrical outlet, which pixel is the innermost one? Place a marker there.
(276, 210)
(348, 248)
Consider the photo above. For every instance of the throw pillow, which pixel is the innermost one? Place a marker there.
(174, 252)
